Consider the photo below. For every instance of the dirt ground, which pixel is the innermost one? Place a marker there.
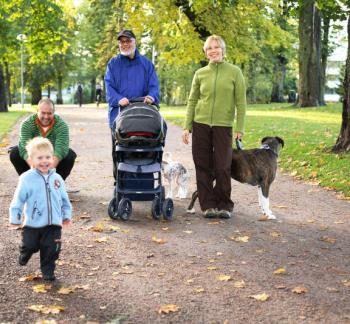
(208, 271)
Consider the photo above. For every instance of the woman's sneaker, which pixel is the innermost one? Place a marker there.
(224, 214)
(210, 213)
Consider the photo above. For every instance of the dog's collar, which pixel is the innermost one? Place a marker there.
(267, 147)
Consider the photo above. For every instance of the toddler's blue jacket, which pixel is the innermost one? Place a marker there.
(45, 202)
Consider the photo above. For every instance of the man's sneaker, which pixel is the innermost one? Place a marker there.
(210, 213)
(224, 214)
(23, 260)
(49, 277)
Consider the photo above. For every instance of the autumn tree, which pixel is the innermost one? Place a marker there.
(343, 141)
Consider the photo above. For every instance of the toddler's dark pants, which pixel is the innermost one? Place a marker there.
(64, 167)
(47, 240)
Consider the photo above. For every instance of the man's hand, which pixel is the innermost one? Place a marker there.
(148, 100)
(66, 222)
(186, 136)
(55, 162)
(123, 102)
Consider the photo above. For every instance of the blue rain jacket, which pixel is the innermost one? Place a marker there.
(45, 202)
(126, 78)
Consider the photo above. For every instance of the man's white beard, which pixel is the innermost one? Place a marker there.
(130, 53)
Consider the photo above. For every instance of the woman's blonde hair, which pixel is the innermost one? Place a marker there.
(219, 40)
(38, 144)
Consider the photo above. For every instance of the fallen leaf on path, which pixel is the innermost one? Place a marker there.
(165, 228)
(188, 232)
(46, 309)
(260, 297)
(280, 271)
(276, 234)
(41, 288)
(83, 287)
(30, 277)
(98, 227)
(125, 231)
(281, 287)
(311, 221)
(103, 307)
(212, 268)
(158, 240)
(224, 278)
(346, 283)
(113, 228)
(190, 280)
(214, 223)
(300, 290)
(219, 253)
(327, 239)
(279, 206)
(243, 239)
(95, 268)
(323, 227)
(168, 308)
(65, 290)
(239, 284)
(339, 222)
(104, 203)
(263, 218)
(260, 251)
(332, 289)
(101, 239)
(199, 290)
(341, 197)
(43, 321)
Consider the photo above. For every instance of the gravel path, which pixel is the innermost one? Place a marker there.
(125, 272)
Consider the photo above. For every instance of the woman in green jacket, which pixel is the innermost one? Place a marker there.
(217, 94)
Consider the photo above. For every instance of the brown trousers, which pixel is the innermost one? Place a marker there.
(212, 156)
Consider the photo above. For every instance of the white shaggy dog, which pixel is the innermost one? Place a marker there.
(176, 175)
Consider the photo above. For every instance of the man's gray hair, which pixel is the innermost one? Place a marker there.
(219, 40)
(47, 100)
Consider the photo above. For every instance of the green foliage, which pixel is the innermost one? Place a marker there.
(309, 134)
(8, 119)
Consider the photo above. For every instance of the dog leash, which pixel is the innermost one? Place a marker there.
(239, 144)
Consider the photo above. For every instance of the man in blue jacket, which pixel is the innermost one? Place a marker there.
(129, 75)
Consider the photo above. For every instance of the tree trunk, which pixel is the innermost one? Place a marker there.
(309, 54)
(251, 89)
(48, 91)
(343, 141)
(8, 84)
(59, 99)
(279, 75)
(36, 95)
(93, 90)
(3, 101)
(324, 58)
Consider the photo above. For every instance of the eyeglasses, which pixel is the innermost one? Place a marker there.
(125, 41)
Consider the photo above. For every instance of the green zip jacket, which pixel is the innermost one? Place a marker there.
(58, 135)
(218, 89)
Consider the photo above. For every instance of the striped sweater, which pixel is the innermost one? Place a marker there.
(58, 135)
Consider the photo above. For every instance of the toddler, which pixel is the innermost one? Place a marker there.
(42, 197)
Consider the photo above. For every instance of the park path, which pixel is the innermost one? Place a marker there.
(124, 272)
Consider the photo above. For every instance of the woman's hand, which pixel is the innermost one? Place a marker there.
(238, 135)
(186, 136)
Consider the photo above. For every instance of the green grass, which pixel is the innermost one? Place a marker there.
(8, 119)
(309, 134)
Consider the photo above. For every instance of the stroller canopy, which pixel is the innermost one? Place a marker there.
(139, 118)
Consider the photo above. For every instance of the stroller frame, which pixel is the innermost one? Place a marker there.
(138, 178)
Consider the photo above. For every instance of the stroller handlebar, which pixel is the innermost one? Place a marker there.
(141, 99)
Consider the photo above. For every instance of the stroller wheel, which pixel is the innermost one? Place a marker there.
(156, 208)
(168, 209)
(112, 209)
(124, 209)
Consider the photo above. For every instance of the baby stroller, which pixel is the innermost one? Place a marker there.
(139, 134)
